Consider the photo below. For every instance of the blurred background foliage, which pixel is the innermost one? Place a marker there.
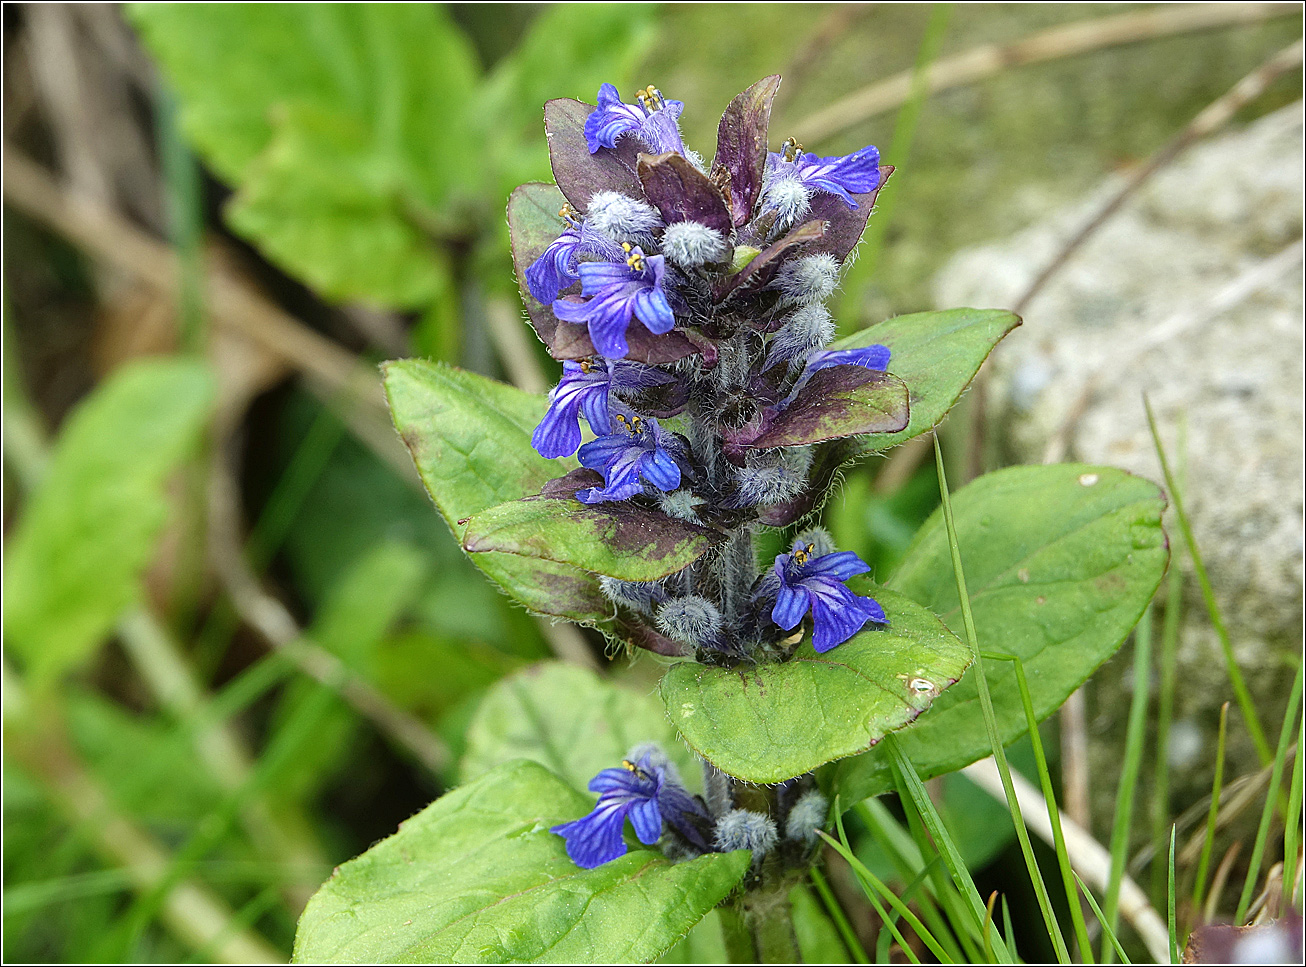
(239, 644)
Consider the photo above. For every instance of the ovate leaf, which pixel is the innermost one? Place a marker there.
(569, 720)
(837, 402)
(477, 877)
(1060, 562)
(470, 439)
(936, 354)
(772, 722)
(74, 561)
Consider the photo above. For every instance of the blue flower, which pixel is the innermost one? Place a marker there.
(815, 584)
(613, 292)
(555, 269)
(855, 173)
(646, 793)
(584, 388)
(653, 121)
(874, 357)
(634, 453)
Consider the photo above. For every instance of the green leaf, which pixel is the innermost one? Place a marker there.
(776, 721)
(615, 538)
(1060, 562)
(477, 877)
(571, 721)
(818, 940)
(936, 354)
(338, 124)
(470, 438)
(839, 402)
(74, 561)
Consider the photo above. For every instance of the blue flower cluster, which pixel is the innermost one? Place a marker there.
(690, 299)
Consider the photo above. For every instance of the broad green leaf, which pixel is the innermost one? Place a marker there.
(615, 538)
(1060, 562)
(470, 438)
(73, 563)
(571, 721)
(936, 354)
(477, 877)
(776, 721)
(841, 401)
(339, 125)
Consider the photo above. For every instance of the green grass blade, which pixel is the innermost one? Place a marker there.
(882, 942)
(1135, 735)
(1271, 795)
(1292, 832)
(1199, 888)
(1240, 691)
(1054, 812)
(871, 889)
(1170, 891)
(1106, 927)
(873, 884)
(840, 918)
(991, 723)
(1006, 925)
(1164, 716)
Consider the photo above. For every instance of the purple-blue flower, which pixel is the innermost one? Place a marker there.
(645, 793)
(612, 293)
(653, 120)
(633, 454)
(555, 269)
(584, 388)
(872, 357)
(815, 584)
(842, 175)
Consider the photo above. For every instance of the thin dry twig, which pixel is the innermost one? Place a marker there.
(270, 618)
(1089, 858)
(1053, 44)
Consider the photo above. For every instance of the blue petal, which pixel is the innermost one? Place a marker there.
(661, 470)
(595, 839)
(622, 782)
(646, 817)
(837, 613)
(600, 453)
(654, 311)
(554, 270)
(791, 603)
(874, 357)
(840, 565)
(858, 173)
(597, 276)
(610, 120)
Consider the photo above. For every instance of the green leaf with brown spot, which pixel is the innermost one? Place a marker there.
(477, 877)
(618, 539)
(470, 439)
(840, 401)
(772, 722)
(1060, 562)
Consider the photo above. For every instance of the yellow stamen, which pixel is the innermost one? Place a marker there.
(567, 213)
(791, 148)
(651, 98)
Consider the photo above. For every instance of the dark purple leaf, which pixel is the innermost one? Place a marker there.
(569, 483)
(763, 268)
(838, 402)
(844, 225)
(578, 173)
(571, 340)
(642, 636)
(741, 143)
(681, 192)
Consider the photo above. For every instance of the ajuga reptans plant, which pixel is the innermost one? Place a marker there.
(688, 303)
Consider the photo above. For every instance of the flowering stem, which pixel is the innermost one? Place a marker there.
(738, 938)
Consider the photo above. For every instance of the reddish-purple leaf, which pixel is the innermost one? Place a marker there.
(681, 192)
(763, 268)
(844, 225)
(741, 143)
(838, 402)
(571, 340)
(578, 173)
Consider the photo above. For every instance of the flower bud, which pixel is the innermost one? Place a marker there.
(691, 619)
(806, 817)
(742, 829)
(621, 216)
(641, 596)
(810, 328)
(808, 280)
(691, 244)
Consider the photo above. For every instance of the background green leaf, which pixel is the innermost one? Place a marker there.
(477, 877)
(777, 721)
(1060, 562)
(571, 721)
(74, 562)
(343, 145)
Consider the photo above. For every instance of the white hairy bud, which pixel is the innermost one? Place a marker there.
(789, 197)
(809, 328)
(691, 619)
(809, 280)
(621, 216)
(742, 829)
(691, 244)
(806, 817)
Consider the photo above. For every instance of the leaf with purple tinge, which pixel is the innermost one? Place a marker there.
(763, 268)
(840, 401)
(681, 192)
(578, 173)
(844, 225)
(741, 144)
(618, 539)
(533, 224)
(570, 340)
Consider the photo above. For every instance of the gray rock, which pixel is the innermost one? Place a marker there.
(1191, 293)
